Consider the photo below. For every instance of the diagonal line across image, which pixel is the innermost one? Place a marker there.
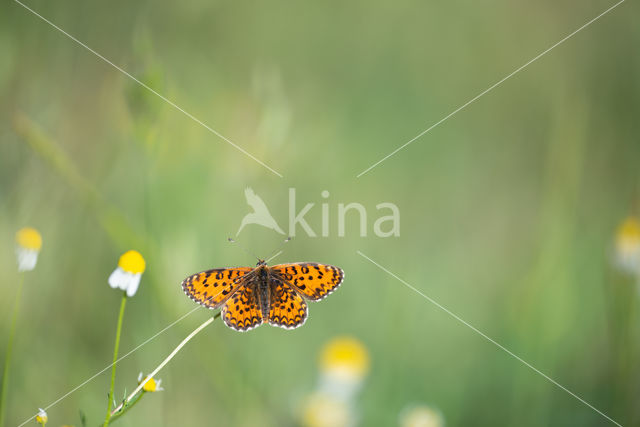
(97, 374)
(159, 95)
(485, 336)
(490, 88)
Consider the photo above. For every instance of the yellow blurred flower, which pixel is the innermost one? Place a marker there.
(42, 417)
(345, 357)
(128, 273)
(151, 385)
(421, 416)
(28, 245)
(322, 410)
(627, 246)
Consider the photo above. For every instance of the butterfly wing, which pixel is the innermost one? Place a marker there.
(212, 288)
(242, 310)
(314, 281)
(287, 307)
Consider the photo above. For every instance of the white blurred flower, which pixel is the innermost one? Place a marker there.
(323, 410)
(344, 363)
(42, 417)
(128, 273)
(627, 246)
(421, 416)
(28, 245)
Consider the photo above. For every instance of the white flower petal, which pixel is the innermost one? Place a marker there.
(340, 386)
(116, 278)
(125, 280)
(134, 282)
(27, 258)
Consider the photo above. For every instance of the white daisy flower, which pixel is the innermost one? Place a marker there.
(128, 273)
(344, 364)
(151, 385)
(627, 246)
(42, 417)
(421, 416)
(324, 410)
(28, 245)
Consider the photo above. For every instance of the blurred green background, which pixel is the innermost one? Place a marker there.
(508, 209)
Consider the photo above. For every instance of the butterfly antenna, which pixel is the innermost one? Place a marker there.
(243, 248)
(278, 250)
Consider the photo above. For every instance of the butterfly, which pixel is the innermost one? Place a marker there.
(250, 297)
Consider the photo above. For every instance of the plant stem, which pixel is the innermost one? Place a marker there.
(115, 357)
(7, 357)
(116, 416)
(164, 362)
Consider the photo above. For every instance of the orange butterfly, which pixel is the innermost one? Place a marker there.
(250, 297)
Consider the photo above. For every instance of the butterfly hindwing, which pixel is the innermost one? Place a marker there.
(287, 308)
(212, 288)
(314, 281)
(242, 310)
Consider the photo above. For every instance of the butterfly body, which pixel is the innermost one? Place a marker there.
(264, 290)
(276, 295)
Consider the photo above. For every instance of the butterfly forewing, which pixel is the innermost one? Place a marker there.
(242, 310)
(314, 281)
(287, 309)
(212, 288)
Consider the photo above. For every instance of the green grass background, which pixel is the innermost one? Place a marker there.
(508, 209)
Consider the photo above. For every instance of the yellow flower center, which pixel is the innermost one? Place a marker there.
(629, 231)
(345, 353)
(132, 262)
(150, 385)
(29, 238)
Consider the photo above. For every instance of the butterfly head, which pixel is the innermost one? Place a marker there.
(261, 262)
